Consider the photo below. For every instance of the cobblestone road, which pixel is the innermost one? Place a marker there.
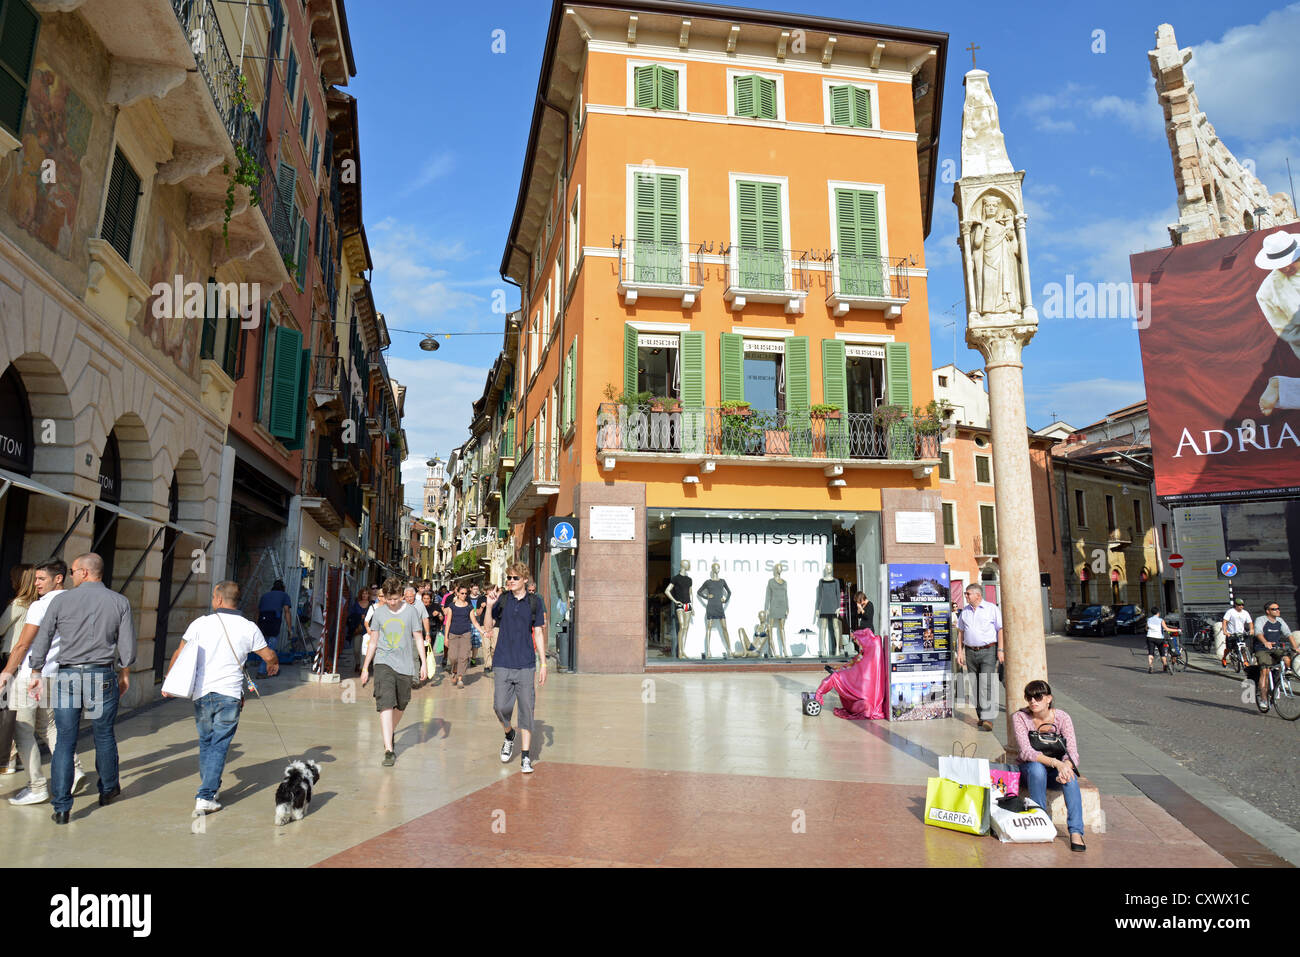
(1199, 719)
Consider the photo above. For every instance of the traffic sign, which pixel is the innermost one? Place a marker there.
(1175, 560)
(1228, 569)
(563, 533)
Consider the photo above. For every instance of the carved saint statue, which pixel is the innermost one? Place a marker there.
(996, 255)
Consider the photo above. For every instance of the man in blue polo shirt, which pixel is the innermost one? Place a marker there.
(520, 651)
(980, 625)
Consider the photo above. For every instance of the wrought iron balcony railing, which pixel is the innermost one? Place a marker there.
(325, 373)
(872, 277)
(653, 269)
(717, 431)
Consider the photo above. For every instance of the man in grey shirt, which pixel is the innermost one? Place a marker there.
(97, 638)
(398, 632)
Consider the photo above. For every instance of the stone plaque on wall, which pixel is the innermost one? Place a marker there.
(914, 528)
(612, 523)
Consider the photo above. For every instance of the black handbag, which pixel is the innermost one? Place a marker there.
(1049, 743)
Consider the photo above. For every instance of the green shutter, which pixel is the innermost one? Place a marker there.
(842, 106)
(302, 253)
(564, 402)
(286, 178)
(949, 529)
(629, 360)
(657, 224)
(18, 31)
(898, 374)
(758, 214)
(857, 230)
(766, 97)
(503, 523)
(300, 418)
(693, 417)
(285, 382)
(645, 221)
(665, 88)
(861, 107)
(747, 214)
(746, 100)
(261, 366)
(798, 396)
(643, 84)
(988, 530)
(834, 374)
(732, 353)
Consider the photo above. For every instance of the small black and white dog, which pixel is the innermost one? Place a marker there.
(293, 796)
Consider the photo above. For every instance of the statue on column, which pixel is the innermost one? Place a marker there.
(997, 258)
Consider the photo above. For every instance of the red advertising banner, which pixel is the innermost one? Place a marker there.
(1221, 358)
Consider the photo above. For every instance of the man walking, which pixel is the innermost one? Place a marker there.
(980, 625)
(397, 637)
(1269, 643)
(520, 651)
(33, 719)
(275, 616)
(98, 638)
(225, 639)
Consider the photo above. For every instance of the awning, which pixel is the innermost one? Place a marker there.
(8, 478)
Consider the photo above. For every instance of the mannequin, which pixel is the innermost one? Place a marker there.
(761, 639)
(828, 613)
(777, 606)
(679, 593)
(715, 594)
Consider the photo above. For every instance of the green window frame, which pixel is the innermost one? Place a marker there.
(857, 232)
(657, 228)
(755, 97)
(759, 235)
(20, 25)
(655, 87)
(851, 106)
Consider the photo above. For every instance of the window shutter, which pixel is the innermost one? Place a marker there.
(766, 97)
(208, 342)
(692, 357)
(798, 385)
(769, 210)
(302, 252)
(18, 31)
(846, 225)
(868, 225)
(299, 436)
(666, 88)
(861, 107)
(285, 387)
(567, 405)
(731, 350)
(988, 530)
(305, 123)
(747, 215)
(629, 360)
(643, 86)
(291, 78)
(120, 207)
(645, 220)
(744, 94)
(898, 374)
(949, 526)
(841, 106)
(669, 205)
(286, 178)
(982, 469)
(230, 350)
(261, 366)
(834, 374)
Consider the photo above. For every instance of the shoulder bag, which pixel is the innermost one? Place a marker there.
(1050, 743)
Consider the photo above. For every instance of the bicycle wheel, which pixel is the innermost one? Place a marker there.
(1178, 662)
(1234, 659)
(1286, 702)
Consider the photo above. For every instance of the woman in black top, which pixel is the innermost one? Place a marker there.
(861, 613)
(458, 629)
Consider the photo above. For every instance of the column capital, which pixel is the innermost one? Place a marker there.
(1000, 344)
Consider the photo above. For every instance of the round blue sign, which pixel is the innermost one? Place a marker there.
(563, 532)
(1228, 569)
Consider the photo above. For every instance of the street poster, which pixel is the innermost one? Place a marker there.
(920, 642)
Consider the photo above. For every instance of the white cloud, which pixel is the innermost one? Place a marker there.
(1081, 402)
(435, 167)
(1098, 251)
(1057, 112)
(439, 397)
(410, 283)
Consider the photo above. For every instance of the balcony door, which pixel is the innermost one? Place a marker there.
(758, 221)
(864, 368)
(857, 233)
(657, 224)
(764, 374)
(658, 365)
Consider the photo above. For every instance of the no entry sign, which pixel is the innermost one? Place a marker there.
(1175, 560)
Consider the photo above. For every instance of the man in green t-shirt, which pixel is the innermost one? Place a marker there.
(397, 636)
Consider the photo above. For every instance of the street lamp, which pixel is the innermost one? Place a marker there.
(429, 344)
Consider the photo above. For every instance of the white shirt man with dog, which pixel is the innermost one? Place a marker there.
(225, 639)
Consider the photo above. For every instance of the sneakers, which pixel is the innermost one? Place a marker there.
(507, 749)
(204, 806)
(390, 758)
(28, 796)
(526, 766)
(78, 782)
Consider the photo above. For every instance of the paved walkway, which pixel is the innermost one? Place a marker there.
(678, 769)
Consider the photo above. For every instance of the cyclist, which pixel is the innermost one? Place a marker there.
(1157, 644)
(1267, 645)
(1236, 621)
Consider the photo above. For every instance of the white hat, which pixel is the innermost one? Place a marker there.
(1280, 249)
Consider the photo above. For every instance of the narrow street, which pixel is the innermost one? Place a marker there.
(1199, 719)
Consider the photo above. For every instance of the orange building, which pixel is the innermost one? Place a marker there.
(725, 334)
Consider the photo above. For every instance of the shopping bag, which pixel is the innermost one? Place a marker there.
(179, 682)
(957, 807)
(437, 644)
(1032, 825)
(1006, 779)
(965, 770)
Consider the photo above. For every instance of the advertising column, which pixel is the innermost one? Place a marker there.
(920, 647)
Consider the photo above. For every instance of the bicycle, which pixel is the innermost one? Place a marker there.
(1282, 694)
(1200, 633)
(1237, 656)
(1174, 654)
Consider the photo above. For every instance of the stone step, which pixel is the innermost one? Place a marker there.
(1094, 819)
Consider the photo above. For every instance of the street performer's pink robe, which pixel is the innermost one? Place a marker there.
(861, 686)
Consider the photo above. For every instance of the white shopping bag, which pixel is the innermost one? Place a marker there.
(957, 767)
(1030, 826)
(179, 682)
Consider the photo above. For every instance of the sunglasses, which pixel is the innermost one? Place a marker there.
(1271, 608)
(514, 578)
(1039, 696)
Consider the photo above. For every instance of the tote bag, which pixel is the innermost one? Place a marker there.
(957, 807)
(179, 682)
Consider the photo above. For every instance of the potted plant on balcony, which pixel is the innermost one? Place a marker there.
(892, 421)
(665, 403)
(776, 434)
(739, 409)
(824, 411)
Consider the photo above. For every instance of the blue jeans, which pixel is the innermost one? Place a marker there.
(93, 690)
(1037, 777)
(217, 717)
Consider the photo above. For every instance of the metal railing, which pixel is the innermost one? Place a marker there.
(325, 373)
(520, 479)
(713, 431)
(657, 264)
(751, 269)
(872, 276)
(319, 481)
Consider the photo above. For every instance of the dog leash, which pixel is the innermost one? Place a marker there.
(250, 683)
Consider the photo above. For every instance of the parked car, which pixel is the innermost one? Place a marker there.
(1091, 620)
(1131, 619)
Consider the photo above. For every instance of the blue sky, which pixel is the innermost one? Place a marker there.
(444, 123)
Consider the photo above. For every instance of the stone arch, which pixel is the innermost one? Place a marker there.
(975, 212)
(183, 593)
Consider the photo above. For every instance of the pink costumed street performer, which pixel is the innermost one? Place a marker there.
(861, 683)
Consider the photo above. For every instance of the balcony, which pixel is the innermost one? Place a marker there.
(767, 275)
(1119, 538)
(323, 494)
(710, 436)
(325, 385)
(657, 271)
(863, 282)
(532, 483)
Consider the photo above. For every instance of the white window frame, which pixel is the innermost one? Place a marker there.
(733, 180)
(956, 532)
(575, 227)
(977, 457)
(882, 220)
(684, 177)
(874, 91)
(780, 95)
(677, 65)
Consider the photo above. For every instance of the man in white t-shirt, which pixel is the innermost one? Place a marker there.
(225, 639)
(34, 719)
(1236, 621)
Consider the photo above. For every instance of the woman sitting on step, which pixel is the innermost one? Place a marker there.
(1049, 754)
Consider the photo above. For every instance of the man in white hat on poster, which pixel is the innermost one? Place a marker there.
(1279, 299)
